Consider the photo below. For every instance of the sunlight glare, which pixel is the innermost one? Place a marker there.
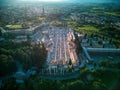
(44, 0)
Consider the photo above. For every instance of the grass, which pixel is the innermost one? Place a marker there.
(72, 24)
(42, 19)
(55, 23)
(87, 29)
(15, 27)
(112, 13)
(98, 8)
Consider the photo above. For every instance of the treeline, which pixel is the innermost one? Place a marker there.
(112, 33)
(28, 55)
(109, 64)
(89, 80)
(78, 45)
(7, 65)
(31, 56)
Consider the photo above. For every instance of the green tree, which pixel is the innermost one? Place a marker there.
(98, 85)
(0, 32)
(10, 84)
(7, 65)
(76, 85)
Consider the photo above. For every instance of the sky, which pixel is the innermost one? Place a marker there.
(10, 1)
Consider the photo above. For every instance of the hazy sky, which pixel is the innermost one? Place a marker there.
(9, 1)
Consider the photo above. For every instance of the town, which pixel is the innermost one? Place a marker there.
(59, 42)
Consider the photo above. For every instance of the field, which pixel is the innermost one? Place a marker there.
(87, 29)
(112, 14)
(14, 27)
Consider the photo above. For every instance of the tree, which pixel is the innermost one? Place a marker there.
(7, 65)
(10, 84)
(85, 36)
(0, 32)
(92, 35)
(70, 62)
(98, 85)
(95, 65)
(84, 72)
(110, 40)
(76, 85)
(28, 39)
(78, 45)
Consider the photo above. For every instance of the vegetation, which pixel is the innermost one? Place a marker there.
(112, 14)
(89, 19)
(22, 52)
(13, 27)
(72, 24)
(56, 23)
(7, 65)
(110, 64)
(87, 29)
(101, 80)
(42, 19)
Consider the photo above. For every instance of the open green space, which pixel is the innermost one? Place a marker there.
(42, 19)
(89, 29)
(112, 14)
(15, 27)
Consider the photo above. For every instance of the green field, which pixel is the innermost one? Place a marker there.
(15, 27)
(112, 14)
(87, 29)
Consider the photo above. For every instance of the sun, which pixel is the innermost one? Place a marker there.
(44, 0)
(50, 0)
